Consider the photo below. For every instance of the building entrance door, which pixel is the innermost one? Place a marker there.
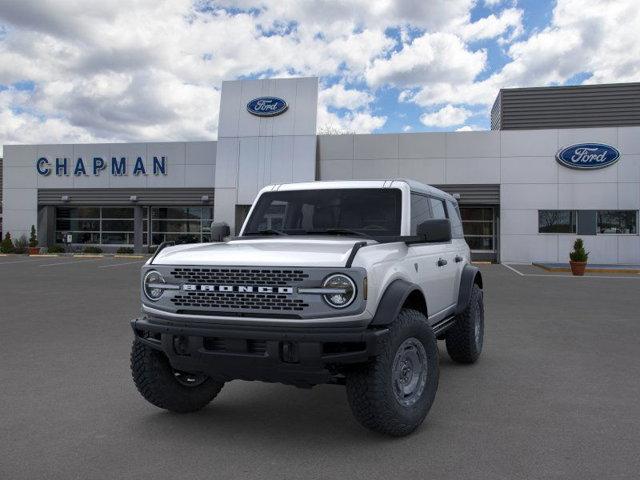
(480, 225)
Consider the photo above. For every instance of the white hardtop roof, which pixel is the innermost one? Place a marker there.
(390, 183)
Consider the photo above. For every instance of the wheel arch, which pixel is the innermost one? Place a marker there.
(471, 276)
(399, 294)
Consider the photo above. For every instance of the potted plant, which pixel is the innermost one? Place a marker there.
(578, 258)
(33, 242)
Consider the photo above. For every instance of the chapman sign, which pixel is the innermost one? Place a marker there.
(267, 106)
(95, 166)
(588, 156)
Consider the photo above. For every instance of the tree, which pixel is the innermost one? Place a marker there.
(33, 239)
(7, 244)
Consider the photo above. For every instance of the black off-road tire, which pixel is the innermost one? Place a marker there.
(465, 338)
(370, 388)
(156, 381)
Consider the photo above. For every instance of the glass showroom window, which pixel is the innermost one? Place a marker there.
(479, 228)
(82, 223)
(117, 226)
(618, 221)
(557, 221)
(95, 225)
(181, 224)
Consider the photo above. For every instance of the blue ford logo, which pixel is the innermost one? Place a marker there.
(588, 156)
(267, 106)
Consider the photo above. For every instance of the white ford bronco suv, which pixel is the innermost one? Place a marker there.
(349, 283)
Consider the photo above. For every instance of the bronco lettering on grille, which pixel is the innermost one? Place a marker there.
(237, 289)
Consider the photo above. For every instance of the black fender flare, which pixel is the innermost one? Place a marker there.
(392, 301)
(470, 275)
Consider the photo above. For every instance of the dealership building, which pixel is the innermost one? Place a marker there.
(559, 162)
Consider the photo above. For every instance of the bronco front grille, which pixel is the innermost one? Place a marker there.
(239, 276)
(238, 301)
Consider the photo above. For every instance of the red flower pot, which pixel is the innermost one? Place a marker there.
(578, 268)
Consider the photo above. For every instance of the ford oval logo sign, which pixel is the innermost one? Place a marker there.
(588, 156)
(267, 106)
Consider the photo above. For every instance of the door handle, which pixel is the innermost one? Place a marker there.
(442, 262)
(459, 258)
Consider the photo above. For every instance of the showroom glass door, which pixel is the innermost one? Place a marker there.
(180, 224)
(480, 231)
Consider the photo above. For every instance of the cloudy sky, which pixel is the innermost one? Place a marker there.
(125, 70)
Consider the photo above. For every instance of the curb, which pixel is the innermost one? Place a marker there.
(128, 256)
(589, 270)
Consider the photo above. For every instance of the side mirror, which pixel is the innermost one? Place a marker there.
(219, 230)
(435, 230)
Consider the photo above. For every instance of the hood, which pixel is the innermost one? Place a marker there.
(320, 251)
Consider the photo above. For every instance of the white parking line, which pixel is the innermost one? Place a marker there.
(121, 264)
(513, 270)
(69, 263)
(565, 276)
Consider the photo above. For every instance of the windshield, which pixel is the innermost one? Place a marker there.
(357, 211)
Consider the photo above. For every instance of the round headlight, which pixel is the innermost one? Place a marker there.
(153, 282)
(344, 290)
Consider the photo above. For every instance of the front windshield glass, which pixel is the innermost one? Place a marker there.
(373, 212)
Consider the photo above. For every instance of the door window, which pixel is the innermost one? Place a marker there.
(420, 211)
(437, 208)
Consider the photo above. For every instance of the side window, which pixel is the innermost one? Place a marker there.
(437, 208)
(456, 222)
(420, 211)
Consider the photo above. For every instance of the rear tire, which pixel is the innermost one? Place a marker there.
(465, 338)
(394, 392)
(164, 387)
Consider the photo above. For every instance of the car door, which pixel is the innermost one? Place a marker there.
(429, 271)
(461, 257)
(446, 252)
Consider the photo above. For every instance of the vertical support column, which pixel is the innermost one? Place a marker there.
(137, 229)
(46, 228)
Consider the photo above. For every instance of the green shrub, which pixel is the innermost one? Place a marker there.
(21, 244)
(124, 250)
(91, 249)
(56, 249)
(579, 254)
(33, 238)
(7, 244)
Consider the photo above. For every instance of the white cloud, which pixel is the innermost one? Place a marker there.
(151, 69)
(407, 128)
(447, 116)
(509, 20)
(492, 3)
(583, 37)
(432, 57)
(351, 122)
(338, 96)
(469, 128)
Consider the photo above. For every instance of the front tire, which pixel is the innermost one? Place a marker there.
(394, 392)
(166, 388)
(465, 338)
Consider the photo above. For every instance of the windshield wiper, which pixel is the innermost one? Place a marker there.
(340, 231)
(267, 231)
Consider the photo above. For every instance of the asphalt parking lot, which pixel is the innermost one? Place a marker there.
(555, 394)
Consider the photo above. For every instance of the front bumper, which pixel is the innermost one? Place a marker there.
(302, 356)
